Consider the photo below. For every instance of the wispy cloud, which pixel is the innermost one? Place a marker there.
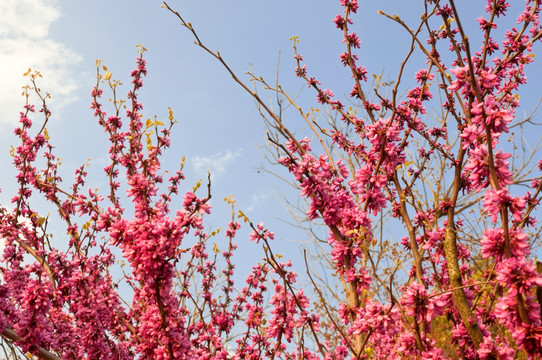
(256, 199)
(25, 43)
(215, 163)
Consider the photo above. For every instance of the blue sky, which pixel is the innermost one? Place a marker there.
(219, 126)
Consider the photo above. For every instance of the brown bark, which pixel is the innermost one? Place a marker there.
(454, 273)
(10, 334)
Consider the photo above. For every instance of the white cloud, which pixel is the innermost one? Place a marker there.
(257, 199)
(27, 18)
(25, 43)
(215, 163)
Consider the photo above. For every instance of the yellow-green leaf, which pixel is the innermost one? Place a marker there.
(196, 187)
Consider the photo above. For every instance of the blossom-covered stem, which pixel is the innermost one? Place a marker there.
(41, 259)
(454, 273)
(411, 323)
(328, 311)
(487, 37)
(410, 228)
(348, 9)
(495, 183)
(163, 315)
(539, 287)
(401, 71)
(40, 352)
(466, 45)
(451, 36)
(288, 279)
(305, 117)
(337, 106)
(531, 206)
(352, 295)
